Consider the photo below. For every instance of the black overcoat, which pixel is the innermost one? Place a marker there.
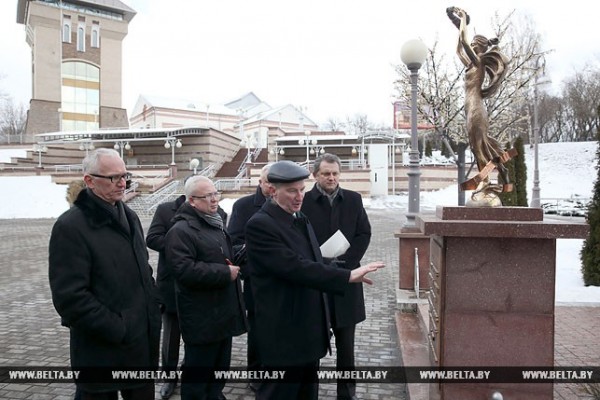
(102, 287)
(209, 303)
(155, 240)
(243, 209)
(349, 216)
(288, 280)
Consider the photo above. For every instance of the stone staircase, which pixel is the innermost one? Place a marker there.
(232, 168)
(144, 204)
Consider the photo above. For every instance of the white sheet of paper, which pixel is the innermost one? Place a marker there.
(335, 246)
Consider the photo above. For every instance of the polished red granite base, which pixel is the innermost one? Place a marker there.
(492, 294)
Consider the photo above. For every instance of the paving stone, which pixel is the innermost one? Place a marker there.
(32, 335)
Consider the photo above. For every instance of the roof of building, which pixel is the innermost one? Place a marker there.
(131, 134)
(179, 104)
(114, 6)
(249, 106)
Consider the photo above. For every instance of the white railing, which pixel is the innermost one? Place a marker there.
(232, 184)
(153, 200)
(132, 188)
(155, 179)
(68, 168)
(208, 171)
(10, 168)
(352, 164)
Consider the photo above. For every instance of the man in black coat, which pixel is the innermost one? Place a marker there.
(209, 299)
(155, 240)
(288, 281)
(242, 210)
(101, 281)
(331, 208)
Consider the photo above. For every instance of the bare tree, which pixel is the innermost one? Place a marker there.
(358, 124)
(441, 90)
(552, 117)
(334, 125)
(581, 95)
(12, 121)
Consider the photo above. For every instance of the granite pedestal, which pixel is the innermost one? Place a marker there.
(491, 303)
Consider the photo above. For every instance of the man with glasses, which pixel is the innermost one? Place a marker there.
(171, 336)
(208, 291)
(101, 281)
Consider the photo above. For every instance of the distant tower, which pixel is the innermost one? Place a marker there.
(76, 49)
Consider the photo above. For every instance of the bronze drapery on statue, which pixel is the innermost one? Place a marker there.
(482, 59)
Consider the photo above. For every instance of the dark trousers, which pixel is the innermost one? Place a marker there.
(252, 342)
(143, 393)
(171, 339)
(344, 346)
(198, 381)
(307, 389)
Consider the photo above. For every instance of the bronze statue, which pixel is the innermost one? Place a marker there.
(482, 58)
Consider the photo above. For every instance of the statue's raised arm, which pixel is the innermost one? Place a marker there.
(485, 68)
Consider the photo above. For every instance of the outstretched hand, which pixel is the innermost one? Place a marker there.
(359, 274)
(456, 14)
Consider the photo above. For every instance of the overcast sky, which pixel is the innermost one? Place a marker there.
(333, 57)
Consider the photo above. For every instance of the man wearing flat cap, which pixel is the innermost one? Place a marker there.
(288, 280)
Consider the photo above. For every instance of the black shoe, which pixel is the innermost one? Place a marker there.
(254, 386)
(167, 390)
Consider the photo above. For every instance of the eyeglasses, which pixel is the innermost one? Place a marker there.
(114, 178)
(209, 196)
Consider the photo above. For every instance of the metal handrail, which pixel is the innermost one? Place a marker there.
(132, 188)
(416, 282)
(232, 184)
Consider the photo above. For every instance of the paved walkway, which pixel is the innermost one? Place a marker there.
(31, 334)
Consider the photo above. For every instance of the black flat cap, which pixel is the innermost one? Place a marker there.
(286, 172)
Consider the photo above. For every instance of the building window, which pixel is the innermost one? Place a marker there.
(66, 31)
(81, 38)
(80, 102)
(95, 35)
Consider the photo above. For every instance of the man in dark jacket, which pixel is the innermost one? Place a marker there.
(329, 209)
(242, 210)
(207, 288)
(288, 278)
(101, 281)
(155, 240)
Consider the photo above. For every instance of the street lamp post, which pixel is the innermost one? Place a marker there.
(248, 141)
(120, 145)
(277, 151)
(194, 163)
(307, 141)
(171, 143)
(87, 146)
(535, 196)
(393, 162)
(40, 148)
(413, 54)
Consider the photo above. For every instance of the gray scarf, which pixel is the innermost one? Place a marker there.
(212, 219)
(330, 197)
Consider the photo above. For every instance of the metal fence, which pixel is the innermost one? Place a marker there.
(575, 206)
